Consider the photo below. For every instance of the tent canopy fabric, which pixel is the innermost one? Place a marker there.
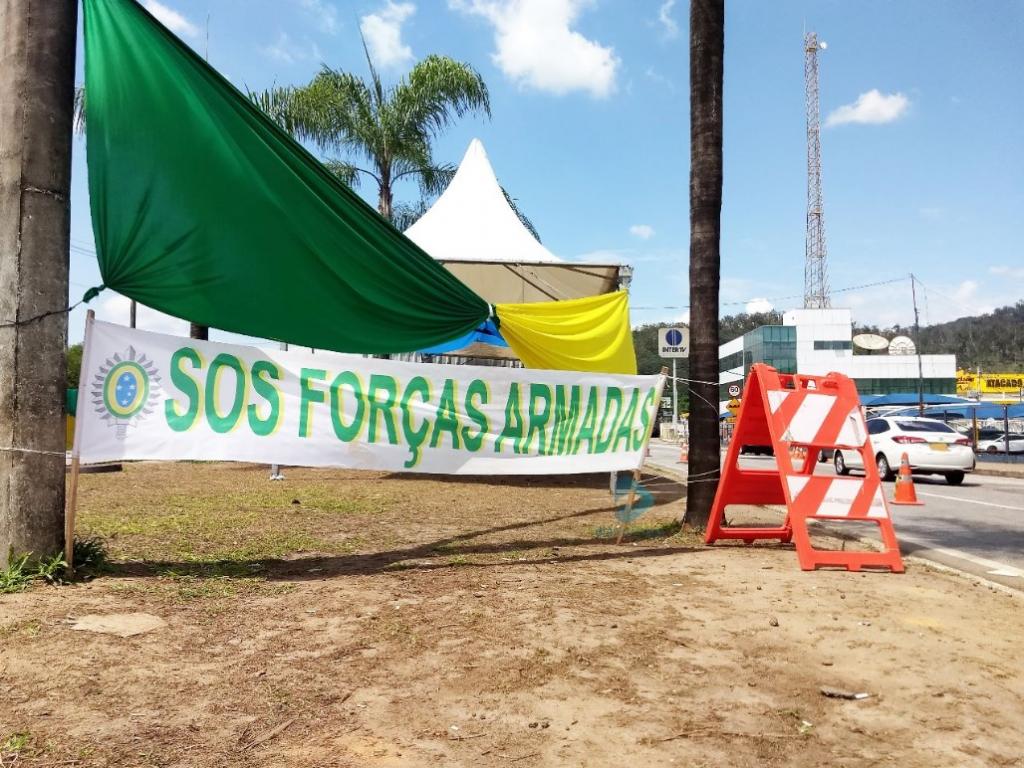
(506, 283)
(473, 231)
(472, 220)
(598, 326)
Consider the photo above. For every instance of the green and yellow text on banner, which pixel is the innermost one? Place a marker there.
(150, 396)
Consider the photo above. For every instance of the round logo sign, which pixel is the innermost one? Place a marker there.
(674, 338)
(126, 389)
(734, 390)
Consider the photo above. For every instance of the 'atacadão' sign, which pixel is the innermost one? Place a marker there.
(150, 396)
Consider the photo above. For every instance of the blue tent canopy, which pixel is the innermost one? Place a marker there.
(485, 333)
(969, 410)
(910, 398)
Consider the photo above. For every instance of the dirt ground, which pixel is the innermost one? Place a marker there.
(360, 619)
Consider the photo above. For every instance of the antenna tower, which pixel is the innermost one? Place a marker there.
(816, 290)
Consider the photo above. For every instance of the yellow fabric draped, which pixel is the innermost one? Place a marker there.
(590, 334)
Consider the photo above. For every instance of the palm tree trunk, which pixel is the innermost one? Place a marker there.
(707, 45)
(384, 201)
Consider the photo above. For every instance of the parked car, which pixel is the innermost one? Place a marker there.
(932, 448)
(997, 443)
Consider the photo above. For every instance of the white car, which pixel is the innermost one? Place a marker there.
(997, 444)
(932, 448)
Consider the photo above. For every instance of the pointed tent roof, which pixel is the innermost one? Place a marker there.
(472, 220)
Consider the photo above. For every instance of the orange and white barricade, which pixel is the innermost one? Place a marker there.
(799, 416)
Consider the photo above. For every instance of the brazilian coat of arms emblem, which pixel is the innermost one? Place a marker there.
(123, 391)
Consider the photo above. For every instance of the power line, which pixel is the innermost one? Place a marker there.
(783, 298)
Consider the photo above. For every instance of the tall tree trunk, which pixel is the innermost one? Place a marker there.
(384, 200)
(201, 332)
(37, 80)
(707, 45)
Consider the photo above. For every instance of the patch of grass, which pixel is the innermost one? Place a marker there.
(90, 555)
(52, 570)
(654, 530)
(252, 520)
(15, 744)
(30, 627)
(16, 577)
(403, 565)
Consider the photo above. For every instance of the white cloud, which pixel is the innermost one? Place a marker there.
(668, 24)
(325, 13)
(652, 74)
(383, 33)
(286, 50)
(643, 231)
(873, 107)
(116, 309)
(889, 305)
(759, 305)
(1016, 273)
(538, 48)
(171, 19)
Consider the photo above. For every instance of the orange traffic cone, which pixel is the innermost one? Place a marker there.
(905, 493)
(684, 453)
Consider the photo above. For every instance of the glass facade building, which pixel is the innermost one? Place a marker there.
(818, 341)
(771, 344)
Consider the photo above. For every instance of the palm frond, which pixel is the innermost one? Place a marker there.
(404, 215)
(279, 104)
(435, 179)
(438, 90)
(346, 173)
(336, 112)
(522, 216)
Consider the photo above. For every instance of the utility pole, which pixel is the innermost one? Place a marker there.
(196, 331)
(37, 83)
(917, 347)
(131, 314)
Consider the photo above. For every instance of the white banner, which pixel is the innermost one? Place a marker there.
(148, 396)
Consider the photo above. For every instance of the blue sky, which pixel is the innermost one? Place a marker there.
(923, 151)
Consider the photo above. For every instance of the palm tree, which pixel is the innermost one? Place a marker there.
(707, 47)
(384, 133)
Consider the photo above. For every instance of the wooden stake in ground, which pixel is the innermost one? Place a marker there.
(638, 472)
(37, 78)
(71, 506)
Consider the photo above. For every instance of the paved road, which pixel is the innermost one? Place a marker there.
(977, 527)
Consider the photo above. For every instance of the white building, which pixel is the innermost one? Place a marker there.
(819, 341)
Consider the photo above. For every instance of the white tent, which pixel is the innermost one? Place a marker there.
(473, 231)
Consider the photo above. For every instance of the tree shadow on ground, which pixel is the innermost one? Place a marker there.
(450, 551)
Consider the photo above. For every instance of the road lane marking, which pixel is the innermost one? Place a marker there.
(992, 567)
(970, 501)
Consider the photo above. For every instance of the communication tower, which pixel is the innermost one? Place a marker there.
(816, 290)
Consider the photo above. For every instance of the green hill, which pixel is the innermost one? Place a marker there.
(994, 341)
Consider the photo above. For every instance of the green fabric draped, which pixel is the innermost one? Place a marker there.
(205, 209)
